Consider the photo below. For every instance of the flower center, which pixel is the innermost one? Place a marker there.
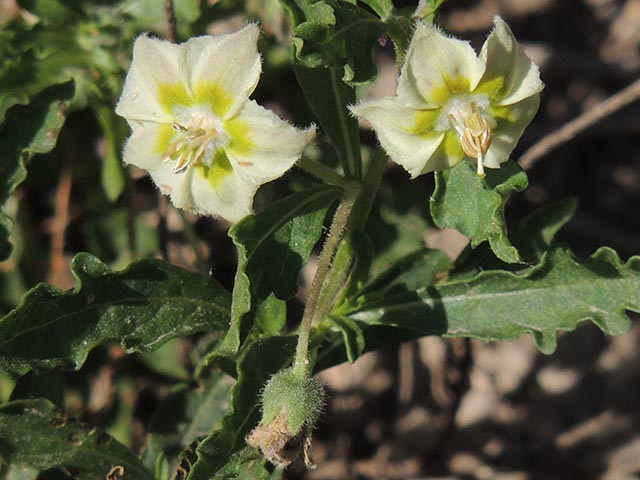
(465, 116)
(199, 136)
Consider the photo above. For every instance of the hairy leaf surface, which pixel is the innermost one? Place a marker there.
(553, 296)
(475, 206)
(36, 434)
(273, 246)
(140, 307)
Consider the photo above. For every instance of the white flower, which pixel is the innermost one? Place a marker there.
(195, 130)
(451, 104)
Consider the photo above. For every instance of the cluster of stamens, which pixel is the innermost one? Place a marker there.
(190, 146)
(475, 134)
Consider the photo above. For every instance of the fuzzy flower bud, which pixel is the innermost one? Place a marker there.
(290, 408)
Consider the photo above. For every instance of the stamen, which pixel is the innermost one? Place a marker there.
(190, 144)
(476, 138)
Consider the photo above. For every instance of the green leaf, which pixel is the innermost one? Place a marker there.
(168, 360)
(416, 270)
(140, 307)
(112, 175)
(28, 130)
(273, 246)
(383, 8)
(535, 232)
(328, 98)
(335, 33)
(475, 206)
(38, 435)
(532, 236)
(151, 15)
(333, 42)
(271, 316)
(261, 360)
(352, 336)
(186, 414)
(543, 300)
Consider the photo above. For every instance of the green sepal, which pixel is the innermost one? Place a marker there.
(299, 398)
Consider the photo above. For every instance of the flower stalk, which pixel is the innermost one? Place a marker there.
(336, 231)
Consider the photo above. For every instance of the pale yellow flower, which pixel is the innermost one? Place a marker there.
(204, 143)
(451, 104)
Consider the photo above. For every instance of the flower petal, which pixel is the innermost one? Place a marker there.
(263, 146)
(156, 64)
(224, 70)
(228, 196)
(406, 139)
(510, 76)
(509, 130)
(144, 149)
(437, 67)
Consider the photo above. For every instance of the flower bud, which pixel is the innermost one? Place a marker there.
(291, 405)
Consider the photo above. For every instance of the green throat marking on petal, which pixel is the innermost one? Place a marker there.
(175, 94)
(493, 88)
(220, 167)
(452, 147)
(450, 88)
(172, 95)
(213, 95)
(240, 134)
(424, 123)
(166, 134)
(502, 115)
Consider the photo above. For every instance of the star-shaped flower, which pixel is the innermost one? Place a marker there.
(195, 130)
(451, 104)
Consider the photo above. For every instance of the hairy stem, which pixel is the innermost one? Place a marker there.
(333, 267)
(343, 259)
(340, 219)
(322, 172)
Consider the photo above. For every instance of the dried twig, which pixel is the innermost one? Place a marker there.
(57, 265)
(576, 126)
(172, 23)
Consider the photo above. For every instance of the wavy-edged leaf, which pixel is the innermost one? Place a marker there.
(273, 245)
(475, 206)
(553, 296)
(28, 130)
(262, 359)
(140, 307)
(36, 434)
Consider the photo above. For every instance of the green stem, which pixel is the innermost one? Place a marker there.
(340, 219)
(343, 258)
(322, 172)
(336, 257)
